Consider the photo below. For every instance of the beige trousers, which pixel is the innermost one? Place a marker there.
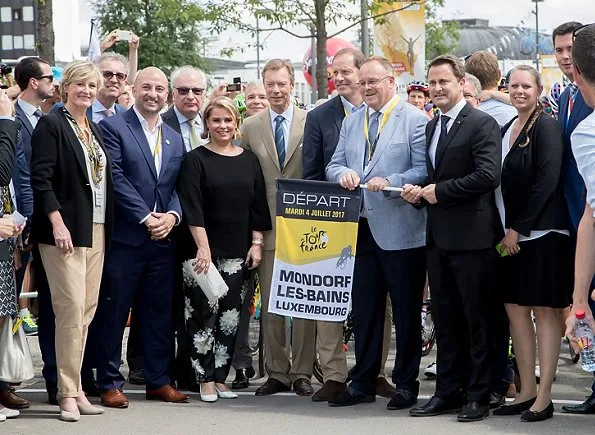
(331, 353)
(74, 281)
(277, 350)
(388, 333)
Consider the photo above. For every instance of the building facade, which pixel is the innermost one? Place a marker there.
(17, 28)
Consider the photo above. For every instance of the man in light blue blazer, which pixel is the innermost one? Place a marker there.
(384, 145)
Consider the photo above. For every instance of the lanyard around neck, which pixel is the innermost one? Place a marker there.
(158, 146)
(385, 116)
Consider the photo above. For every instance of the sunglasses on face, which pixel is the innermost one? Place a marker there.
(186, 91)
(49, 77)
(109, 74)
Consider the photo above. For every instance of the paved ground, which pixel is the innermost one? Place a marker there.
(289, 414)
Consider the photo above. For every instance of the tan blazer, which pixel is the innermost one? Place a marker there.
(257, 135)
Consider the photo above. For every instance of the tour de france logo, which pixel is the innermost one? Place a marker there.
(314, 240)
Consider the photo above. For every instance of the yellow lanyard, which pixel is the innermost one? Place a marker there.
(158, 146)
(389, 109)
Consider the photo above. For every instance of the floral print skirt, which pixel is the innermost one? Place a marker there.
(213, 328)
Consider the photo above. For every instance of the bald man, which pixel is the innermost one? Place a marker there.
(146, 155)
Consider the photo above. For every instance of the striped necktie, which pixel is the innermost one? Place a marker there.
(573, 91)
(280, 140)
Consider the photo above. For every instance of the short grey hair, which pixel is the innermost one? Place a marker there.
(476, 84)
(253, 84)
(112, 56)
(186, 69)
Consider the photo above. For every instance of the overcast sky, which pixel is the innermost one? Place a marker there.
(498, 12)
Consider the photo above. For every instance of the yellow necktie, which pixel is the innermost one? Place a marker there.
(194, 139)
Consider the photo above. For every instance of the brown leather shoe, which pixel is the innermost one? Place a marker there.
(167, 393)
(114, 399)
(329, 391)
(12, 401)
(271, 386)
(384, 389)
(303, 387)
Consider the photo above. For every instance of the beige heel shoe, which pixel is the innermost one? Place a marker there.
(89, 409)
(70, 416)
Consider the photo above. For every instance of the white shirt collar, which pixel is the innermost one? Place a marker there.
(144, 122)
(28, 108)
(99, 107)
(383, 108)
(288, 114)
(454, 112)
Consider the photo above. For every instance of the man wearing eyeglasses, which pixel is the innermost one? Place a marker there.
(188, 90)
(383, 145)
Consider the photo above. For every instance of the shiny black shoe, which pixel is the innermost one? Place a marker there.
(52, 390)
(351, 397)
(241, 380)
(137, 377)
(436, 406)
(402, 399)
(587, 407)
(534, 416)
(473, 411)
(515, 408)
(497, 400)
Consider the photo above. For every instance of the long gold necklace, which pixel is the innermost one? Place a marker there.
(93, 151)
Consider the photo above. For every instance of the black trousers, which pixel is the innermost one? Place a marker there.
(461, 284)
(401, 274)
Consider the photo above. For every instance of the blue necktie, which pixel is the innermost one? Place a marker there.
(373, 133)
(442, 138)
(280, 140)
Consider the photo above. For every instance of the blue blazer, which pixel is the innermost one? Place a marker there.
(21, 177)
(574, 186)
(321, 136)
(400, 157)
(137, 186)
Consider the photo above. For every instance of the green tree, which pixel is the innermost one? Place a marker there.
(169, 30)
(441, 37)
(45, 31)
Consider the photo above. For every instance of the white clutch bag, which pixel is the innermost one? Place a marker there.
(210, 283)
(16, 364)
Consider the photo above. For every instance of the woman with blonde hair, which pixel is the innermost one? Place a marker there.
(72, 220)
(223, 198)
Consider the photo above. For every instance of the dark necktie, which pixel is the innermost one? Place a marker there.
(280, 140)
(443, 133)
(36, 117)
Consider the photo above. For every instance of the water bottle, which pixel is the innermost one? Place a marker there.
(583, 332)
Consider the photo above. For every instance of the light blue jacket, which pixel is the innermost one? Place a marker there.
(400, 156)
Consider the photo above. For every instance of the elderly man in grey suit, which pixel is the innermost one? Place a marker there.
(384, 145)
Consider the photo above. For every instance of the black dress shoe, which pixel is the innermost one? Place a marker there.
(587, 407)
(402, 399)
(271, 386)
(497, 400)
(241, 380)
(136, 377)
(515, 408)
(91, 389)
(473, 411)
(436, 406)
(533, 416)
(329, 391)
(52, 390)
(351, 397)
(303, 387)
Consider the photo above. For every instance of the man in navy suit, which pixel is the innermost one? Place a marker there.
(146, 155)
(573, 110)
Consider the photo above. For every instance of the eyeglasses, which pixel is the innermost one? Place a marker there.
(580, 29)
(372, 82)
(186, 91)
(109, 74)
(49, 77)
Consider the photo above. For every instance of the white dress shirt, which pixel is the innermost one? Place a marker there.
(452, 114)
(583, 148)
(29, 110)
(286, 125)
(99, 109)
(185, 128)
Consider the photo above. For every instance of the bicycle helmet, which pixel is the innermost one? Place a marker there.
(418, 86)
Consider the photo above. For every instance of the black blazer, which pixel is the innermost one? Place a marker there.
(321, 136)
(172, 120)
(467, 173)
(531, 184)
(9, 137)
(60, 182)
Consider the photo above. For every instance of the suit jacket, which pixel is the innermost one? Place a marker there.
(399, 157)
(531, 183)
(171, 119)
(9, 137)
(138, 188)
(21, 177)
(574, 186)
(321, 136)
(257, 135)
(60, 181)
(467, 173)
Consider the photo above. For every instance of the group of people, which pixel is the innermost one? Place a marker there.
(127, 207)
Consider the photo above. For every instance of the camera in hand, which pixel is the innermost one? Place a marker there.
(5, 69)
(236, 86)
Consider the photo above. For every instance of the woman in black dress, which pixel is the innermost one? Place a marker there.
(538, 269)
(222, 192)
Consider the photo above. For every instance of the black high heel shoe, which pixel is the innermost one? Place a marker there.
(515, 408)
(532, 416)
